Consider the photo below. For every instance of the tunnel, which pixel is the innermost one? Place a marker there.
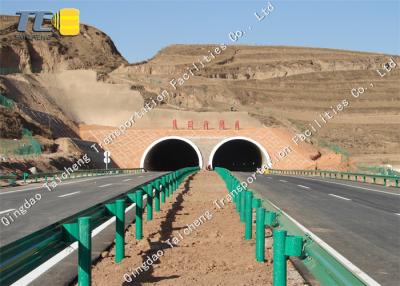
(171, 153)
(239, 154)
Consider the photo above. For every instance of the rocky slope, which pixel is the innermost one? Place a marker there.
(91, 49)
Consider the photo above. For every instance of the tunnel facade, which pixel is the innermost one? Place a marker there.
(239, 154)
(171, 153)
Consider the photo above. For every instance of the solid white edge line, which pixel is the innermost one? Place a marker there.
(339, 197)
(70, 194)
(304, 187)
(35, 273)
(6, 211)
(343, 260)
(351, 186)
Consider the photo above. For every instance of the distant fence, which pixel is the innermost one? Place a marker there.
(22, 147)
(6, 102)
(358, 177)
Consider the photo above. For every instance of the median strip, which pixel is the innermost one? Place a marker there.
(339, 197)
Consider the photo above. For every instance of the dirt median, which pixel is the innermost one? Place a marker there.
(200, 245)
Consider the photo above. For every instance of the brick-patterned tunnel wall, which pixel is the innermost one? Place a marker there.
(128, 148)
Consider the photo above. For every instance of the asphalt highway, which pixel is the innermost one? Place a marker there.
(66, 199)
(360, 221)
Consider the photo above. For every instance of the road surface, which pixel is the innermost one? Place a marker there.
(65, 200)
(360, 221)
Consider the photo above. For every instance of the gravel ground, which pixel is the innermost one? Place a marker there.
(191, 242)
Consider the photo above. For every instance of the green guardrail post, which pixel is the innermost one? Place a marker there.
(374, 178)
(243, 206)
(157, 196)
(248, 216)
(237, 200)
(397, 183)
(139, 214)
(260, 234)
(25, 176)
(120, 230)
(384, 181)
(84, 252)
(149, 204)
(164, 189)
(284, 246)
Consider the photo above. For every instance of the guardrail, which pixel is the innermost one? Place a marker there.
(323, 262)
(384, 180)
(51, 176)
(22, 256)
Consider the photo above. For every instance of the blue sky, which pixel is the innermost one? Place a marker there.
(141, 28)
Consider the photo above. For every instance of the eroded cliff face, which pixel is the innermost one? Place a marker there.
(91, 49)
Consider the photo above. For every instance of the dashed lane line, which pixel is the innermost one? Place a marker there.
(70, 194)
(339, 197)
(106, 185)
(283, 181)
(304, 187)
(126, 180)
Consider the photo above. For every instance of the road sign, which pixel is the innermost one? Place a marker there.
(107, 155)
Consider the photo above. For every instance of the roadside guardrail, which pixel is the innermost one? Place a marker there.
(384, 180)
(19, 258)
(290, 239)
(51, 176)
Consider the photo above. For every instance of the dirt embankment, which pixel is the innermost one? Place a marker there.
(211, 253)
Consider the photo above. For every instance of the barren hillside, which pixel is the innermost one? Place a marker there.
(286, 86)
(84, 79)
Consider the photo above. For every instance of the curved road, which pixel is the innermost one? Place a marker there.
(360, 221)
(65, 200)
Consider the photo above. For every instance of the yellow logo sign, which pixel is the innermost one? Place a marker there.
(66, 21)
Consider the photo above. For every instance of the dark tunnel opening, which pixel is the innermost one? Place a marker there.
(170, 155)
(238, 155)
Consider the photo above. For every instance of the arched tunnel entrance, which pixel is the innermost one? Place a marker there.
(239, 154)
(171, 153)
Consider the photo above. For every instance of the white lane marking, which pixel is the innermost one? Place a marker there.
(304, 187)
(70, 194)
(343, 260)
(142, 176)
(6, 211)
(351, 186)
(339, 197)
(397, 214)
(126, 180)
(106, 185)
(283, 181)
(269, 178)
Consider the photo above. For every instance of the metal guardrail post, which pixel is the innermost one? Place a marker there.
(243, 205)
(139, 214)
(248, 233)
(158, 187)
(84, 252)
(260, 234)
(119, 230)
(149, 204)
(284, 246)
(163, 191)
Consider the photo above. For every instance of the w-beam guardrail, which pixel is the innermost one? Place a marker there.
(51, 176)
(357, 177)
(289, 239)
(22, 256)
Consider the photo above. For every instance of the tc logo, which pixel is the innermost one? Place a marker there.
(66, 21)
